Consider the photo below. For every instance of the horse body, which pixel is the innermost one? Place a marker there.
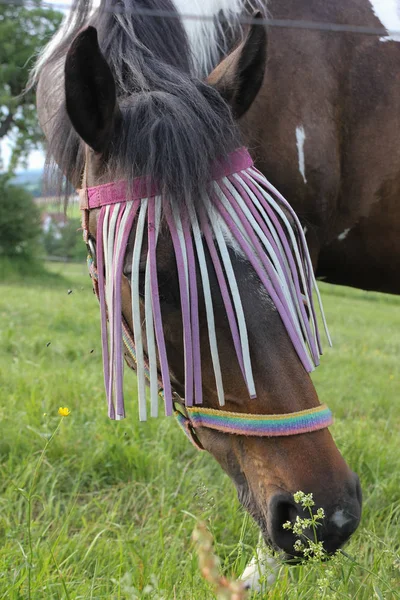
(129, 106)
(325, 128)
(343, 91)
(368, 245)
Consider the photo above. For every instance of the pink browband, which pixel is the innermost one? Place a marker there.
(142, 187)
(241, 208)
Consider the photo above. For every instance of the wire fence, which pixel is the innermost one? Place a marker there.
(244, 20)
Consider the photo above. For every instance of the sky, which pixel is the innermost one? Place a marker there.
(35, 160)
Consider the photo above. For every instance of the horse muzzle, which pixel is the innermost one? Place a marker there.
(340, 521)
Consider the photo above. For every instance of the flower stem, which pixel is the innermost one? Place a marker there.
(29, 499)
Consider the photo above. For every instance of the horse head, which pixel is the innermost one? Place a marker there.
(180, 127)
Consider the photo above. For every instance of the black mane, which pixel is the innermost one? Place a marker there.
(175, 125)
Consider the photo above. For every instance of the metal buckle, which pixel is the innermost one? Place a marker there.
(179, 406)
(91, 246)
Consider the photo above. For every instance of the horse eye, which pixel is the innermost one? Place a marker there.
(165, 289)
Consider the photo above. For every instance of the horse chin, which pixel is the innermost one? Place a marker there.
(248, 502)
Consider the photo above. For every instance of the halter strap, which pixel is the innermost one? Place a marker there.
(295, 423)
(262, 425)
(141, 187)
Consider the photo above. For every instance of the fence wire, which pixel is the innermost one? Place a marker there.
(244, 20)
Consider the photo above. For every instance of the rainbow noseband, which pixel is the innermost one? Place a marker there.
(294, 423)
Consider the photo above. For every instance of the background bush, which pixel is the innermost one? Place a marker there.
(65, 241)
(19, 223)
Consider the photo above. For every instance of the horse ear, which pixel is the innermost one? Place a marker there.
(90, 90)
(239, 76)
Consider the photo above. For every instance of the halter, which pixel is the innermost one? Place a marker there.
(241, 210)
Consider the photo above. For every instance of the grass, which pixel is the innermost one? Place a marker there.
(114, 504)
(19, 269)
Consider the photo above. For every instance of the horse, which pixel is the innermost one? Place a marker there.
(122, 110)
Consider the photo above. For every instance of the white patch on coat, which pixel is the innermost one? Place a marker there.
(388, 12)
(205, 35)
(300, 139)
(342, 236)
(340, 519)
(261, 572)
(305, 229)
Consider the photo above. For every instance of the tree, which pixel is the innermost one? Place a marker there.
(23, 32)
(19, 222)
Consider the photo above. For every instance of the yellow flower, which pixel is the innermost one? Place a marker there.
(64, 412)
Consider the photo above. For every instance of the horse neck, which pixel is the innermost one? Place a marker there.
(356, 12)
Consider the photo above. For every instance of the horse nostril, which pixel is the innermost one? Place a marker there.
(285, 511)
(282, 508)
(336, 528)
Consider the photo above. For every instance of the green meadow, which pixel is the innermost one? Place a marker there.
(107, 512)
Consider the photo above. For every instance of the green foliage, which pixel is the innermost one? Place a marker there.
(18, 268)
(19, 222)
(23, 32)
(65, 240)
(113, 502)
